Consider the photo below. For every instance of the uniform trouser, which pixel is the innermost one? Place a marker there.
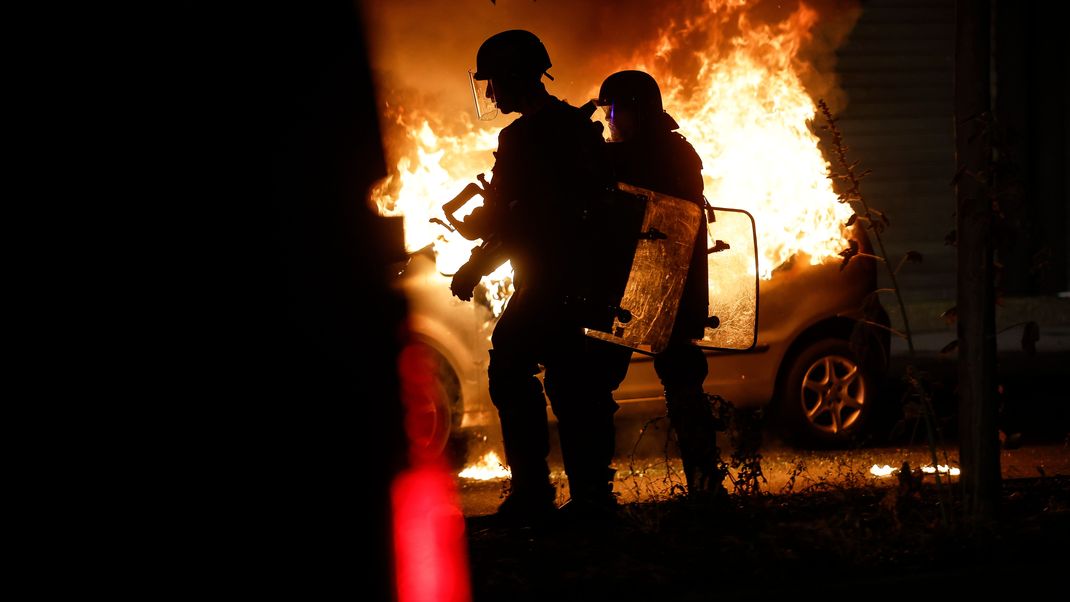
(579, 381)
(682, 369)
(580, 387)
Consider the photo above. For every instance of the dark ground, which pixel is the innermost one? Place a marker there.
(842, 540)
(902, 540)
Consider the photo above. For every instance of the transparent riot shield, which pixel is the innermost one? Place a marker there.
(732, 267)
(647, 310)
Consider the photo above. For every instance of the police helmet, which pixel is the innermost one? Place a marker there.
(638, 92)
(513, 53)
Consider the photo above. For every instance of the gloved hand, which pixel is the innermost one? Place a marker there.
(465, 280)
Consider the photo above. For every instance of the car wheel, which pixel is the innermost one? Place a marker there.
(826, 395)
(436, 419)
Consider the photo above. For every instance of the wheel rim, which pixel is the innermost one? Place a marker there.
(833, 394)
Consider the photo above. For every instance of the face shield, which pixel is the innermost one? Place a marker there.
(622, 119)
(483, 96)
(626, 120)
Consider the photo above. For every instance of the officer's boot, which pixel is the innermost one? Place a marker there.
(692, 420)
(591, 499)
(532, 497)
(587, 448)
(522, 414)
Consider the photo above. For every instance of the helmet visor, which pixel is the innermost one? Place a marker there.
(623, 121)
(483, 96)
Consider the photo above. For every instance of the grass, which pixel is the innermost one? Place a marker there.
(822, 539)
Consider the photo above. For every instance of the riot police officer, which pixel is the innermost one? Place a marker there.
(645, 150)
(548, 165)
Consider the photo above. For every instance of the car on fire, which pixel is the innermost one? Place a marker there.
(815, 365)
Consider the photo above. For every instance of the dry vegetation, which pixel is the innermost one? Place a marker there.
(826, 539)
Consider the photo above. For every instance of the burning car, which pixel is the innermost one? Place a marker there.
(820, 354)
(743, 99)
(815, 365)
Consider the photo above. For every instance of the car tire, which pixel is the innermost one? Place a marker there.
(439, 418)
(826, 396)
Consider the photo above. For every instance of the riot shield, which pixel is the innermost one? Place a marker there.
(644, 319)
(732, 267)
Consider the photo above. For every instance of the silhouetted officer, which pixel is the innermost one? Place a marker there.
(548, 167)
(646, 151)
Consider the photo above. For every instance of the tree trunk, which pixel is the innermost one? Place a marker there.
(978, 435)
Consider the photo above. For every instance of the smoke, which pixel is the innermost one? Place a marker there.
(422, 49)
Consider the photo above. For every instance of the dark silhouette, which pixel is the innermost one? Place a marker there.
(288, 351)
(548, 168)
(976, 298)
(646, 151)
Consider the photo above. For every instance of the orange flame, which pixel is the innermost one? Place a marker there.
(486, 468)
(433, 169)
(745, 110)
(748, 117)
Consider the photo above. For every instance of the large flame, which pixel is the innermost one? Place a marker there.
(432, 168)
(744, 108)
(748, 116)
